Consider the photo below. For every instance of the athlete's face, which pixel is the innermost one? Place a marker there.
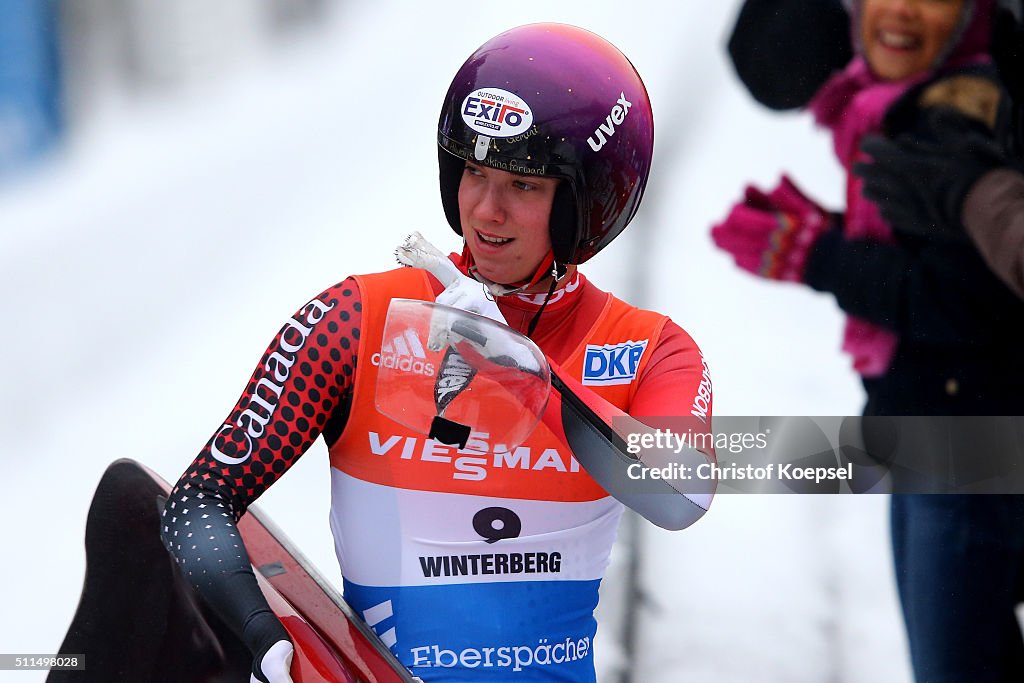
(505, 221)
(903, 38)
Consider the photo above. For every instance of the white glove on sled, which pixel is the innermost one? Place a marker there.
(276, 664)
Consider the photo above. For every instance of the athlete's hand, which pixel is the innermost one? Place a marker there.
(417, 251)
(771, 234)
(461, 291)
(275, 664)
(466, 294)
(498, 345)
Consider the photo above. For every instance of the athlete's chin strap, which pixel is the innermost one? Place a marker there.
(551, 290)
(548, 268)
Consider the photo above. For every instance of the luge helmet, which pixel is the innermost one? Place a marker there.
(558, 101)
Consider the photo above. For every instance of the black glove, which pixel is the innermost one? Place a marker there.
(1008, 53)
(919, 181)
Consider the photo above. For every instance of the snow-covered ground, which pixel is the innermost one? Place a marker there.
(145, 269)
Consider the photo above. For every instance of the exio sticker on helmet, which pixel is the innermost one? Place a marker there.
(496, 113)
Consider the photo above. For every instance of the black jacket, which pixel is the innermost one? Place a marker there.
(784, 50)
(960, 327)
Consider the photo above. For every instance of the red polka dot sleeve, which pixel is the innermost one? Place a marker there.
(301, 389)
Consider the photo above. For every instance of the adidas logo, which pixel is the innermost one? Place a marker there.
(374, 618)
(405, 353)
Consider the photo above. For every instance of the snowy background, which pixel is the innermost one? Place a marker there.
(146, 265)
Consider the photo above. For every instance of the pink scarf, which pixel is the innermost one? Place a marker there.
(853, 104)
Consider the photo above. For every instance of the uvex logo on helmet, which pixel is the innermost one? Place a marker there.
(615, 117)
(496, 113)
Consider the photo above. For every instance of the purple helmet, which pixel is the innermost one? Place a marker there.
(558, 101)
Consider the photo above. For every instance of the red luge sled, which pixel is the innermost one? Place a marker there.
(139, 620)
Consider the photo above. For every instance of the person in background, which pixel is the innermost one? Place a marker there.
(929, 328)
(961, 182)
